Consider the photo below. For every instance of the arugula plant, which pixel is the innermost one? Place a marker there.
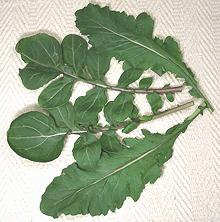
(108, 168)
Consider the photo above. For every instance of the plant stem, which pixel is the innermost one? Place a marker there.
(172, 110)
(128, 90)
(142, 119)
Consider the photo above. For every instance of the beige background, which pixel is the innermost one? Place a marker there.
(189, 188)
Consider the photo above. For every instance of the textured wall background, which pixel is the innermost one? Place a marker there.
(189, 189)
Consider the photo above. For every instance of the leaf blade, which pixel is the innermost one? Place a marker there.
(34, 136)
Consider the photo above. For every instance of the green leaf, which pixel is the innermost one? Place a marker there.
(116, 34)
(130, 127)
(145, 25)
(96, 67)
(64, 116)
(172, 47)
(34, 136)
(87, 151)
(155, 102)
(110, 142)
(145, 83)
(129, 76)
(75, 49)
(170, 96)
(56, 93)
(120, 109)
(41, 49)
(86, 108)
(34, 76)
(122, 174)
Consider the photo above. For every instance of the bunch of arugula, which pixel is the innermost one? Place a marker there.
(107, 168)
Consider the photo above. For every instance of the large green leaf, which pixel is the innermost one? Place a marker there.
(96, 66)
(34, 136)
(87, 151)
(86, 108)
(34, 76)
(120, 109)
(41, 49)
(117, 34)
(74, 51)
(56, 93)
(122, 174)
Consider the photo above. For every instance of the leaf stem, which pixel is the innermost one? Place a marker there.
(128, 90)
(142, 119)
(170, 111)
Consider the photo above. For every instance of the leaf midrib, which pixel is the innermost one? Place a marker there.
(117, 170)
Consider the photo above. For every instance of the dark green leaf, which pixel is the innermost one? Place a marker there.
(170, 96)
(64, 116)
(75, 49)
(145, 25)
(172, 47)
(97, 65)
(86, 108)
(115, 33)
(34, 136)
(87, 151)
(110, 142)
(57, 93)
(34, 76)
(41, 49)
(155, 102)
(130, 127)
(145, 83)
(120, 109)
(129, 76)
(122, 174)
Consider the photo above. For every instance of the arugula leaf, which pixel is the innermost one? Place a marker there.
(116, 34)
(34, 76)
(86, 108)
(87, 151)
(155, 102)
(96, 66)
(145, 83)
(64, 116)
(105, 188)
(129, 76)
(41, 49)
(120, 109)
(34, 136)
(144, 25)
(110, 142)
(74, 51)
(56, 93)
(170, 96)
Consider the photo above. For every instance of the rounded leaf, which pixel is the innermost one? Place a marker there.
(34, 136)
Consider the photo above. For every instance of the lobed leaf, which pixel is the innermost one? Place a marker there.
(116, 34)
(106, 187)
